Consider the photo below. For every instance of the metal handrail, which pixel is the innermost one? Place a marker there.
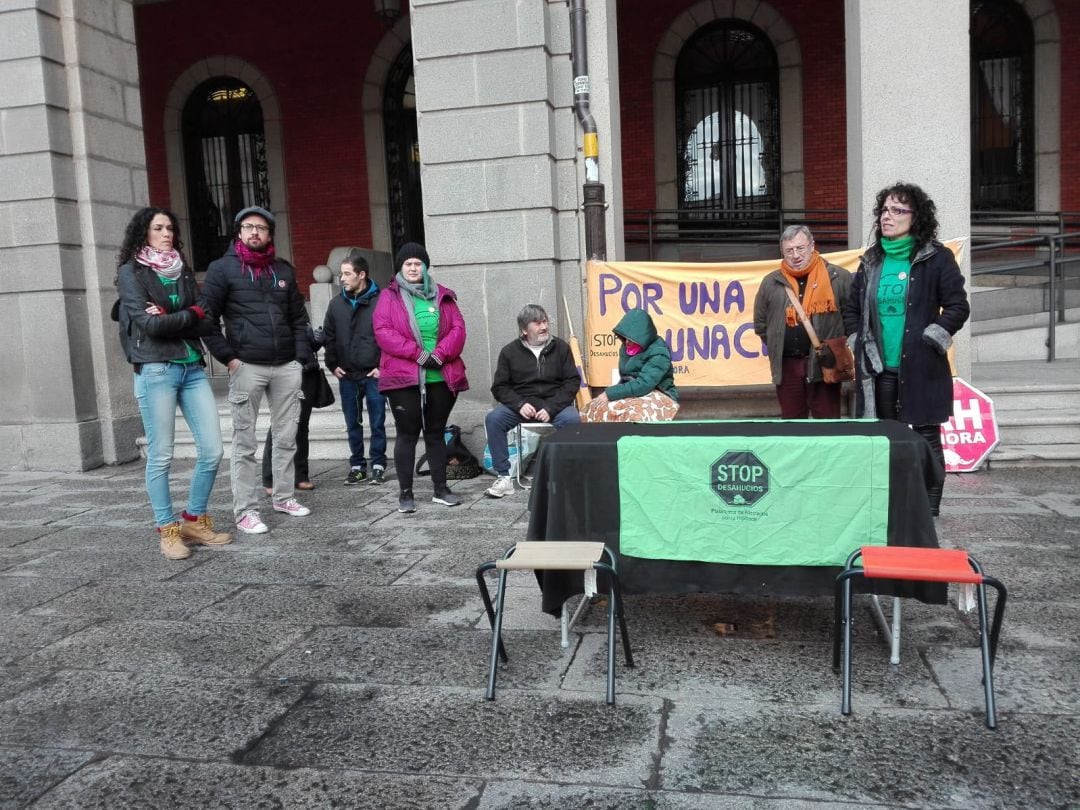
(1054, 263)
(990, 231)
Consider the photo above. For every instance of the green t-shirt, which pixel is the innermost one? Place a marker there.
(173, 290)
(892, 297)
(427, 319)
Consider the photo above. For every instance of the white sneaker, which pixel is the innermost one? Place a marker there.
(504, 485)
(251, 523)
(291, 507)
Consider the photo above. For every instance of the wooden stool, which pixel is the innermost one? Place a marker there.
(920, 565)
(554, 556)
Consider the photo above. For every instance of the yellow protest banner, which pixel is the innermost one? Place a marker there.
(705, 312)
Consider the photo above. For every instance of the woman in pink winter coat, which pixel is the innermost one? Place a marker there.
(421, 333)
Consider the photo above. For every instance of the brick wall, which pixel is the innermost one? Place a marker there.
(316, 63)
(820, 31)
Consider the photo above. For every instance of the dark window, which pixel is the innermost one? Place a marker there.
(1002, 107)
(728, 119)
(405, 201)
(225, 161)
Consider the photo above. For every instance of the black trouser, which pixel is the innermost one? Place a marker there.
(300, 460)
(409, 423)
(886, 398)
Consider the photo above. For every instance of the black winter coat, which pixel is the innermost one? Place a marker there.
(349, 336)
(935, 296)
(158, 338)
(265, 320)
(548, 382)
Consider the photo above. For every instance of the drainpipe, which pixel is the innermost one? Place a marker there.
(593, 190)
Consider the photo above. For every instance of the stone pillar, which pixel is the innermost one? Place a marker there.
(70, 133)
(908, 115)
(500, 160)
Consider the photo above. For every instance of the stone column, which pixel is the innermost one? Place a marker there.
(500, 157)
(908, 115)
(72, 170)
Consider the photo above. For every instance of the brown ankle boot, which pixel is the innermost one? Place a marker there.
(201, 530)
(172, 544)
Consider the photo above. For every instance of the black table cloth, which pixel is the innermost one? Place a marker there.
(575, 496)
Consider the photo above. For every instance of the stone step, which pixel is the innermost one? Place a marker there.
(1032, 320)
(1036, 455)
(1033, 400)
(993, 302)
(1038, 430)
(1026, 344)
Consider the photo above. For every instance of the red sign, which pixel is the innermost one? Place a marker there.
(972, 432)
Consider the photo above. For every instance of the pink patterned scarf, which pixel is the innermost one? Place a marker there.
(165, 263)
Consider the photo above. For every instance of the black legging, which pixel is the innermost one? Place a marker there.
(405, 408)
(300, 460)
(886, 398)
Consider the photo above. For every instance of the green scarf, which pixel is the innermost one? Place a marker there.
(892, 296)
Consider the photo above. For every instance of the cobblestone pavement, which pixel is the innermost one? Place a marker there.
(340, 661)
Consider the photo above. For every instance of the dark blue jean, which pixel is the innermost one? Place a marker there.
(352, 407)
(502, 419)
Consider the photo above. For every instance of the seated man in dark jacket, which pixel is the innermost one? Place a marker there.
(536, 380)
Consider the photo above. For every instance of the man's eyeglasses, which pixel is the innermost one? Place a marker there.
(248, 227)
(896, 210)
(798, 250)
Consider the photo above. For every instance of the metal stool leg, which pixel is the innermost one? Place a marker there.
(520, 456)
(612, 606)
(987, 661)
(496, 634)
(845, 702)
(486, 598)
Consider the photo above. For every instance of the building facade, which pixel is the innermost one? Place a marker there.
(453, 122)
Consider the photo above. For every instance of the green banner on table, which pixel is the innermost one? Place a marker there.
(776, 500)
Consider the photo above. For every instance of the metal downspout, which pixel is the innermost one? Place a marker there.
(593, 190)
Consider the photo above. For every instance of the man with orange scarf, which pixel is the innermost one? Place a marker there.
(822, 289)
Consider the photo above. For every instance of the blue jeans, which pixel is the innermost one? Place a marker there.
(502, 419)
(159, 388)
(351, 406)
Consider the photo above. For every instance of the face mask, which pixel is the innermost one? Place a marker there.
(632, 348)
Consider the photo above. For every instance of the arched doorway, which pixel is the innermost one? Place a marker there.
(727, 123)
(225, 162)
(404, 195)
(1002, 107)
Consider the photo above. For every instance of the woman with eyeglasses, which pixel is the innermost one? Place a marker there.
(907, 302)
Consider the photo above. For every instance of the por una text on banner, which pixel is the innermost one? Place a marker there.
(705, 312)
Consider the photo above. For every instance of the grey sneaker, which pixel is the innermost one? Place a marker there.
(444, 496)
(504, 485)
(378, 475)
(355, 477)
(406, 503)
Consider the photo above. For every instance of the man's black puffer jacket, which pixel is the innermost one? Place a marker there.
(265, 320)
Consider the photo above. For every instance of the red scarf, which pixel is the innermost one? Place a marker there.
(255, 262)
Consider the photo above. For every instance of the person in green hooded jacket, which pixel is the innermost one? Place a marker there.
(646, 389)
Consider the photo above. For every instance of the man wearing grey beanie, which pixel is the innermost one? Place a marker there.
(265, 346)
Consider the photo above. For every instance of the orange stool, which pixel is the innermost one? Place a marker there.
(920, 565)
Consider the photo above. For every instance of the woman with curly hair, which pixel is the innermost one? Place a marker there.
(907, 301)
(160, 328)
